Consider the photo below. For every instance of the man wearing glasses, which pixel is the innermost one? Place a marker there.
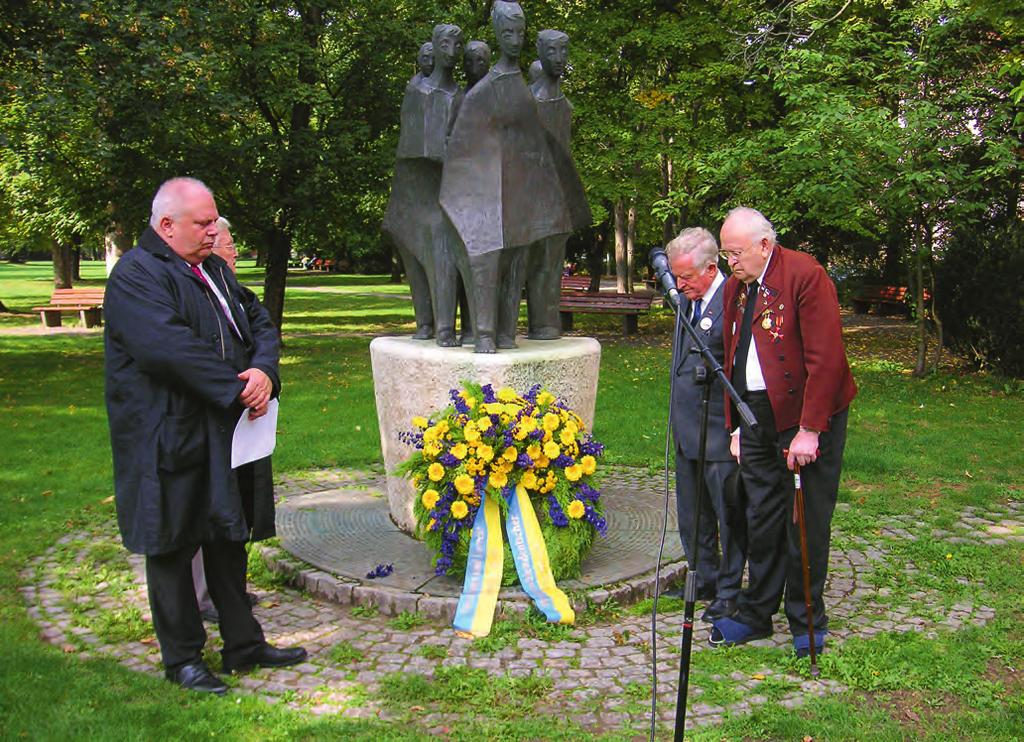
(785, 356)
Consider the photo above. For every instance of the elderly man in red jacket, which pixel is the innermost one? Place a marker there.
(784, 353)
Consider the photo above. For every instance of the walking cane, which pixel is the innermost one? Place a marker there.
(798, 518)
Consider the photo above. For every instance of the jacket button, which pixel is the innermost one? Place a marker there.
(782, 358)
(792, 391)
(788, 375)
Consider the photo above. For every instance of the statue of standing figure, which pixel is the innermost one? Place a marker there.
(547, 256)
(425, 239)
(506, 188)
(476, 62)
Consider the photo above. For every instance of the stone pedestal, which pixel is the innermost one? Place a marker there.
(413, 377)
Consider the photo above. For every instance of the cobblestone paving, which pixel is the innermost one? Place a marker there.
(88, 597)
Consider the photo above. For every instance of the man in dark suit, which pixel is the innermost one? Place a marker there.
(784, 352)
(693, 259)
(187, 352)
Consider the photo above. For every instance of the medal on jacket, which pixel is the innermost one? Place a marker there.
(776, 332)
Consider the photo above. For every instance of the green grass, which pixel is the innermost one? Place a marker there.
(925, 447)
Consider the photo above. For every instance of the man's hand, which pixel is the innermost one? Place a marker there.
(804, 448)
(734, 445)
(257, 390)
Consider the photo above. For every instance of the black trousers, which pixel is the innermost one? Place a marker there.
(172, 600)
(721, 573)
(773, 539)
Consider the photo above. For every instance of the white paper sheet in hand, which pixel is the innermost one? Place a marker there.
(254, 439)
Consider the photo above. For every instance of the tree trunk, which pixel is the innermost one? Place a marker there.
(76, 260)
(116, 243)
(279, 247)
(940, 340)
(668, 229)
(63, 265)
(921, 367)
(630, 246)
(621, 267)
(595, 258)
(396, 267)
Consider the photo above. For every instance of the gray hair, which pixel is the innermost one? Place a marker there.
(223, 223)
(695, 241)
(755, 222)
(167, 201)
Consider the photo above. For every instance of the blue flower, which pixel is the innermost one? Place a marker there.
(558, 517)
(563, 461)
(537, 434)
(448, 460)
(381, 570)
(458, 401)
(524, 461)
(443, 563)
(531, 396)
(599, 523)
(591, 447)
(488, 391)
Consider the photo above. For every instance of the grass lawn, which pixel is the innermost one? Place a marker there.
(925, 447)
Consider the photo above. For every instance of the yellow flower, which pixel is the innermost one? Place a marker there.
(416, 481)
(484, 423)
(485, 452)
(566, 437)
(545, 397)
(430, 498)
(576, 509)
(547, 436)
(464, 484)
(533, 451)
(430, 434)
(541, 462)
(574, 472)
(497, 480)
(507, 394)
(589, 464)
(510, 454)
(442, 427)
(469, 400)
(459, 450)
(519, 434)
(529, 424)
(494, 408)
(431, 449)
(471, 433)
(420, 422)
(430, 523)
(435, 472)
(460, 509)
(529, 480)
(512, 409)
(551, 421)
(573, 427)
(551, 450)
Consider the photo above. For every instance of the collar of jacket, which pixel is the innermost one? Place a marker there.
(771, 289)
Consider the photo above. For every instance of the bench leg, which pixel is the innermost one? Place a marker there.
(92, 317)
(630, 324)
(566, 321)
(50, 317)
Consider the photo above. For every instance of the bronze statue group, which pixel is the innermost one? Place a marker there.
(485, 192)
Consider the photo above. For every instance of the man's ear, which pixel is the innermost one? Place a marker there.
(167, 226)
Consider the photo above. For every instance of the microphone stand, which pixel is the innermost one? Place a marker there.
(713, 369)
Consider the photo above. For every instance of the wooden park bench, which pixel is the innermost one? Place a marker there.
(88, 302)
(575, 283)
(886, 299)
(630, 306)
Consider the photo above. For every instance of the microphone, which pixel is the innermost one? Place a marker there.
(659, 262)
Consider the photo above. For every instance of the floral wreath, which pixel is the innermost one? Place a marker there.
(488, 444)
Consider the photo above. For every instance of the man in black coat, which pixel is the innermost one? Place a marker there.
(693, 258)
(187, 351)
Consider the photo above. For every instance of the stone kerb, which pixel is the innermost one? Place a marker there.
(413, 377)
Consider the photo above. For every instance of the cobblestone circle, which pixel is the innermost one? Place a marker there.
(88, 597)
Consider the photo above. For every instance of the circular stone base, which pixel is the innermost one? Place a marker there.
(343, 529)
(414, 377)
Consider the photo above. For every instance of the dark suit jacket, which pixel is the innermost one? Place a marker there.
(686, 395)
(798, 335)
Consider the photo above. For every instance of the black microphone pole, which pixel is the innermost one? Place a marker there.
(659, 261)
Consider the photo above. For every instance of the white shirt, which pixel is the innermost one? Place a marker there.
(755, 379)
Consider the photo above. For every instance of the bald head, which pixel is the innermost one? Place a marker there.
(184, 214)
(747, 241)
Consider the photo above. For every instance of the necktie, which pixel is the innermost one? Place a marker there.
(696, 312)
(739, 368)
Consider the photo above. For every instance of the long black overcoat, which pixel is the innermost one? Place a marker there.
(172, 386)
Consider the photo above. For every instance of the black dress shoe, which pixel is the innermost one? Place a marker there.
(705, 594)
(197, 676)
(720, 608)
(267, 656)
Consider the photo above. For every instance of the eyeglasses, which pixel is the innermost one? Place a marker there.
(730, 257)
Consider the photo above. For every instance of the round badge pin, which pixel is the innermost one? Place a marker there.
(705, 323)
